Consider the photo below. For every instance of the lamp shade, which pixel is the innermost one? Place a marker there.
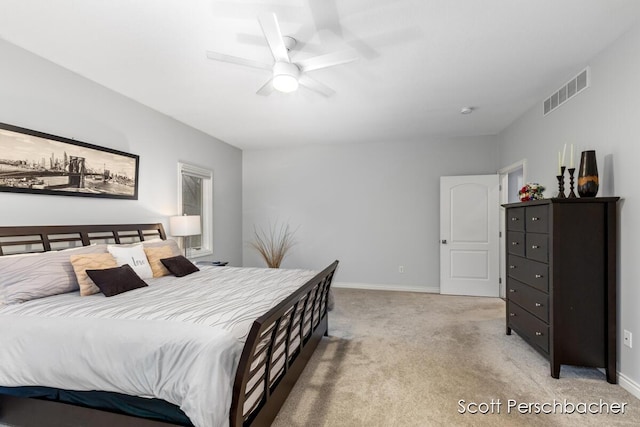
(184, 225)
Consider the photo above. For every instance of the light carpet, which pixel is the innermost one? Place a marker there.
(407, 359)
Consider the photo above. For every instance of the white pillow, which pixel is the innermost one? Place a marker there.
(134, 256)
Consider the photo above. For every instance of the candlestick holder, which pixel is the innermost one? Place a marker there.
(561, 184)
(572, 195)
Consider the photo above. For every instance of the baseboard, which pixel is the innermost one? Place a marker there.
(386, 287)
(629, 385)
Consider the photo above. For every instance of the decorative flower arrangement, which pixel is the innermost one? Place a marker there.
(531, 191)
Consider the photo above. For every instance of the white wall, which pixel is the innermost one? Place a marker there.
(371, 206)
(606, 118)
(39, 95)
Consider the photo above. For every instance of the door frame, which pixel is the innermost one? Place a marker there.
(503, 197)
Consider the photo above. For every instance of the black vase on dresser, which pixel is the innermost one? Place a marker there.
(588, 181)
(561, 280)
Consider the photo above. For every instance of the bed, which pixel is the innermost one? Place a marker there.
(268, 347)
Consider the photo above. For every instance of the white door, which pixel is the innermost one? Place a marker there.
(469, 251)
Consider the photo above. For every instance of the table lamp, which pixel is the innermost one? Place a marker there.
(185, 226)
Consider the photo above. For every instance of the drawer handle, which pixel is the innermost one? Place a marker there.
(538, 334)
(512, 267)
(512, 290)
(538, 304)
(535, 218)
(514, 243)
(535, 247)
(513, 218)
(512, 314)
(538, 276)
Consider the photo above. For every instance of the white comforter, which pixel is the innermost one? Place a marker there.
(178, 339)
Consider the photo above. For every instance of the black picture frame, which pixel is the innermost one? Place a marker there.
(39, 163)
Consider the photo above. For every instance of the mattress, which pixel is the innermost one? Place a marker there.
(179, 339)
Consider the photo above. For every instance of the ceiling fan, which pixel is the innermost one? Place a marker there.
(288, 75)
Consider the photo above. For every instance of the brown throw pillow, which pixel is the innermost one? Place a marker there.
(82, 263)
(154, 255)
(179, 266)
(114, 281)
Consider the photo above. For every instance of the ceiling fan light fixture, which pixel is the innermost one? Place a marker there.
(285, 83)
(285, 77)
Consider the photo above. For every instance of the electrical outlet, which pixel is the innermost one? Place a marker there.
(401, 269)
(627, 339)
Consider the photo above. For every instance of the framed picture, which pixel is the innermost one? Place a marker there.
(39, 163)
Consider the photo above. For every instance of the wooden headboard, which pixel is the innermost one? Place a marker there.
(43, 238)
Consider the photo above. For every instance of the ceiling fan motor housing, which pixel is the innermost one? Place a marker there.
(289, 42)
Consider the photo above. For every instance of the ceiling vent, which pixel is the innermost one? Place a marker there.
(568, 91)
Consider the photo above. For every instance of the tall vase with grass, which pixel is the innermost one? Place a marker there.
(274, 243)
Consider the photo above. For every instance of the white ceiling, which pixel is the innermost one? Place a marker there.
(420, 62)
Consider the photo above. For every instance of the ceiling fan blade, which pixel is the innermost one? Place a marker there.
(345, 36)
(325, 15)
(361, 46)
(252, 39)
(271, 31)
(328, 60)
(315, 86)
(240, 61)
(266, 89)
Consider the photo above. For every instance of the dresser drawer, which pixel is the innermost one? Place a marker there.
(529, 327)
(527, 271)
(538, 247)
(515, 219)
(537, 219)
(532, 300)
(515, 243)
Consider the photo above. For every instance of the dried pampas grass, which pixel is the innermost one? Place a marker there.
(273, 244)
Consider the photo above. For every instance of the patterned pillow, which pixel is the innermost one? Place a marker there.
(134, 256)
(29, 276)
(154, 255)
(81, 263)
(154, 243)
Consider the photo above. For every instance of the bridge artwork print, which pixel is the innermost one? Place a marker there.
(39, 163)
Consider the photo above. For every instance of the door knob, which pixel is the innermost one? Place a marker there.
(444, 241)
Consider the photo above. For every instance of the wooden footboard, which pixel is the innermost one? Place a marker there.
(277, 349)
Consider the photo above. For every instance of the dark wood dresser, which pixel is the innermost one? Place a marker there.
(561, 279)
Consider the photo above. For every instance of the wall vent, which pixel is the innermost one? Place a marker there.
(568, 91)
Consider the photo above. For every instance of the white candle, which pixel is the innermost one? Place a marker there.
(559, 163)
(564, 152)
(571, 164)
